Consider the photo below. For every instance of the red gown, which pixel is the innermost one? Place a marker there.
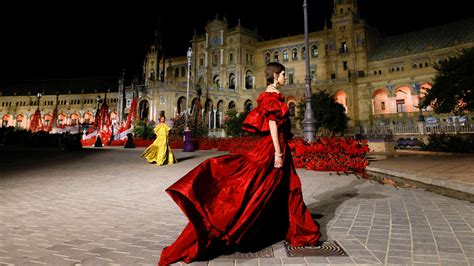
(241, 202)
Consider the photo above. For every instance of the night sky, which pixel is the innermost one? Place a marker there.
(81, 39)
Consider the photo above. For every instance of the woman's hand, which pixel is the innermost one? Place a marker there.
(278, 160)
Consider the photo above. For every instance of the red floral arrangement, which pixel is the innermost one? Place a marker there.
(117, 142)
(142, 142)
(330, 154)
(325, 154)
(176, 143)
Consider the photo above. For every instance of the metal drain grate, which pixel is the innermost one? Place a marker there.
(326, 249)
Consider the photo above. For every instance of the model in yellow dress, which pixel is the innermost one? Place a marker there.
(160, 151)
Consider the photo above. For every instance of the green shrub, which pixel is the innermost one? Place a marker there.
(197, 127)
(233, 123)
(450, 143)
(143, 129)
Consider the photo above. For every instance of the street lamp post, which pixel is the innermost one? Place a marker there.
(39, 95)
(189, 54)
(98, 140)
(309, 122)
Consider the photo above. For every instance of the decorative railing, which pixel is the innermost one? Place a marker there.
(414, 129)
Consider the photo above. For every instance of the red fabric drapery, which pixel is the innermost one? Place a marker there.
(53, 120)
(132, 116)
(36, 123)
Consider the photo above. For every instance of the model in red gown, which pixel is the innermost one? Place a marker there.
(241, 202)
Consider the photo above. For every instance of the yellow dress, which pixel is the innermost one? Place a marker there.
(160, 151)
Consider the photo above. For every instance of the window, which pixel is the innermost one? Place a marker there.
(314, 51)
(232, 81)
(176, 72)
(249, 80)
(344, 65)
(285, 56)
(303, 53)
(247, 58)
(344, 49)
(400, 106)
(383, 106)
(201, 61)
(290, 78)
(251, 59)
(294, 54)
(215, 59)
(267, 58)
(162, 100)
(248, 106)
(216, 81)
(275, 57)
(231, 58)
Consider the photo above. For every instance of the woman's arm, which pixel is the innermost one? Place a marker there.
(276, 143)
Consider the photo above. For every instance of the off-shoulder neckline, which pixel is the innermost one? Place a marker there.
(272, 92)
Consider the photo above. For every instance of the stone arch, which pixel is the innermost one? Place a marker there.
(231, 105)
(424, 88)
(292, 106)
(62, 119)
(341, 97)
(144, 110)
(216, 81)
(113, 115)
(88, 118)
(267, 58)
(381, 104)
(208, 113)
(232, 81)
(74, 119)
(6, 120)
(48, 119)
(181, 105)
(285, 55)
(248, 79)
(276, 56)
(220, 113)
(193, 105)
(248, 105)
(403, 99)
(292, 103)
(20, 121)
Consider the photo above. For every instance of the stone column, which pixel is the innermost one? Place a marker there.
(209, 120)
(215, 118)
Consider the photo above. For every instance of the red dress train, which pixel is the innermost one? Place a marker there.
(241, 202)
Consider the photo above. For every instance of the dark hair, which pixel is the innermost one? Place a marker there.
(273, 68)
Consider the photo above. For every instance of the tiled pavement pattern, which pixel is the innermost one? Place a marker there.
(108, 207)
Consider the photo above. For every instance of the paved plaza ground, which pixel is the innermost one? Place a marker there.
(108, 207)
